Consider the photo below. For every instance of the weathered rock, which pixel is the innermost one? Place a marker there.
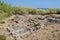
(21, 26)
(50, 20)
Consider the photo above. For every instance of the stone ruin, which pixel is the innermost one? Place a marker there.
(20, 26)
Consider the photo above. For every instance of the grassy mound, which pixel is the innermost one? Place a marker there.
(7, 10)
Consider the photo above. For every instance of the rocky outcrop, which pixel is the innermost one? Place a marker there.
(22, 26)
(50, 20)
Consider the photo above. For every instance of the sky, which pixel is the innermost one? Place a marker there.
(34, 3)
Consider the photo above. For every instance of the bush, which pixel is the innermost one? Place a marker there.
(5, 10)
(36, 24)
(20, 10)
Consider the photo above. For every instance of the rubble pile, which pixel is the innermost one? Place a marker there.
(52, 20)
(21, 26)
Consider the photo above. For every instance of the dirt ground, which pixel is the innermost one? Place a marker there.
(47, 33)
(3, 31)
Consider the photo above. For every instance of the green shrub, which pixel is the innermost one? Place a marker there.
(5, 10)
(20, 10)
(36, 24)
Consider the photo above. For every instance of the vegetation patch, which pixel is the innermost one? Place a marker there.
(36, 24)
(2, 37)
(7, 10)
